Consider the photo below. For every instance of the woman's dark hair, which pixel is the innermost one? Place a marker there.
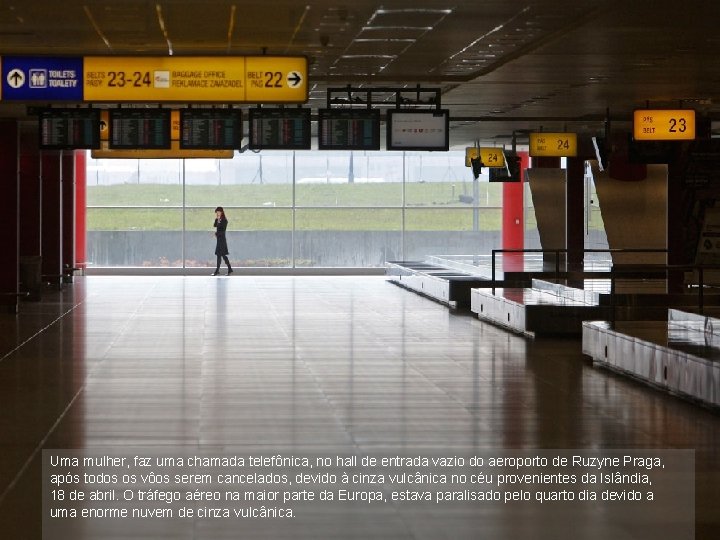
(220, 209)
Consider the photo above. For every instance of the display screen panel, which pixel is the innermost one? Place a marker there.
(418, 130)
(279, 129)
(143, 129)
(340, 129)
(69, 129)
(210, 129)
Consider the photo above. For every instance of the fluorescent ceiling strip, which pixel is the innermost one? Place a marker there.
(96, 26)
(161, 21)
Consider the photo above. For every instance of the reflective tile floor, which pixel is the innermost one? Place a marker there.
(335, 364)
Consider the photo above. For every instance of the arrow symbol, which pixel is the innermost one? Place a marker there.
(295, 79)
(16, 78)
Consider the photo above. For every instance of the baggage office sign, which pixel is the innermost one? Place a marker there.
(27, 78)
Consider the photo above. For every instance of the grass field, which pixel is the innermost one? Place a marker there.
(429, 206)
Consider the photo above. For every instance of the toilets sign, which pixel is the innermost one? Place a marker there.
(42, 78)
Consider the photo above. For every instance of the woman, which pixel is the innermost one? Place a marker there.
(221, 247)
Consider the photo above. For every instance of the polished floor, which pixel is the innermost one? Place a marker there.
(314, 364)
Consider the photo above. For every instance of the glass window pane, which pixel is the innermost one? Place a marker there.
(349, 178)
(249, 179)
(134, 237)
(441, 179)
(451, 231)
(347, 237)
(134, 182)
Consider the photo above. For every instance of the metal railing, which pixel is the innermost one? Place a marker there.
(626, 270)
(558, 251)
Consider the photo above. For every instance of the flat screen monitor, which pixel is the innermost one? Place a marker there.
(340, 129)
(143, 129)
(418, 130)
(279, 129)
(210, 129)
(69, 129)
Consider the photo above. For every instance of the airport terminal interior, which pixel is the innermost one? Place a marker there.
(481, 232)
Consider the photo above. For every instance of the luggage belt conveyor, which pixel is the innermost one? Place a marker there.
(521, 303)
(449, 286)
(555, 309)
(680, 355)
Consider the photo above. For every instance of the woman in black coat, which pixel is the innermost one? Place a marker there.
(221, 247)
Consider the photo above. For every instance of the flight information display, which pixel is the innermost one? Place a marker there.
(418, 130)
(210, 129)
(139, 128)
(340, 129)
(279, 129)
(69, 129)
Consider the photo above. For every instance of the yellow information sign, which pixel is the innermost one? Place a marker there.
(226, 79)
(553, 144)
(664, 125)
(490, 156)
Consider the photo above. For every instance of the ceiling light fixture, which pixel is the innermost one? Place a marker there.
(96, 26)
(231, 27)
(161, 22)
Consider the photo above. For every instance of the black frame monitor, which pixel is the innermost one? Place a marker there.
(140, 129)
(279, 129)
(349, 129)
(427, 130)
(69, 129)
(211, 129)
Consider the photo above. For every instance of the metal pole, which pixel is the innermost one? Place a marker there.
(292, 233)
(557, 265)
(612, 297)
(492, 269)
(702, 286)
(476, 202)
(184, 222)
(402, 226)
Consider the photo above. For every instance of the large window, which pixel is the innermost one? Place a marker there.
(290, 209)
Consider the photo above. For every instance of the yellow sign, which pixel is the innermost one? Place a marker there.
(553, 144)
(490, 156)
(664, 125)
(226, 79)
(174, 152)
(276, 79)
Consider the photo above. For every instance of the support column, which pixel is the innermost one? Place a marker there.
(30, 191)
(67, 193)
(51, 216)
(513, 218)
(9, 216)
(575, 213)
(80, 208)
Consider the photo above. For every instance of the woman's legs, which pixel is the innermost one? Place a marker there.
(217, 266)
(227, 261)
